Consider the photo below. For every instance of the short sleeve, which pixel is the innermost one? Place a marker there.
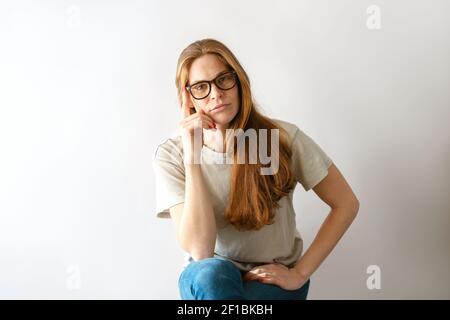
(309, 162)
(169, 179)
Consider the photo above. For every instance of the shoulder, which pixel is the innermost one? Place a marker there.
(291, 129)
(170, 149)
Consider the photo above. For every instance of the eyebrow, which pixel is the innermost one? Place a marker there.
(220, 73)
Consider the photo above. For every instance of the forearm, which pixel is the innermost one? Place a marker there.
(332, 229)
(197, 231)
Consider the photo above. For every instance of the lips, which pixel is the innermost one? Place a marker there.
(219, 105)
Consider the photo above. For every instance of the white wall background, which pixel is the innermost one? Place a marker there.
(87, 92)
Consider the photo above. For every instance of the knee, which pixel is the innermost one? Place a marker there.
(211, 279)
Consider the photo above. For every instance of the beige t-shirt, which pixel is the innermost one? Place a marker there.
(279, 242)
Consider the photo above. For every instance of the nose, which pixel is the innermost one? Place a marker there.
(215, 91)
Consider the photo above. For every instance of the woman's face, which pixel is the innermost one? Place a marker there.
(208, 67)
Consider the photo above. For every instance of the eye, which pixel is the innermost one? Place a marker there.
(223, 78)
(199, 87)
(226, 78)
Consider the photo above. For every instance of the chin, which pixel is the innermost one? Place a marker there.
(222, 119)
(225, 117)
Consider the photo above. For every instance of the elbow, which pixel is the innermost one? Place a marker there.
(199, 248)
(354, 208)
(198, 252)
(199, 255)
(356, 205)
(352, 205)
(350, 208)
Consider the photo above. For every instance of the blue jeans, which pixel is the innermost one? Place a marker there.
(220, 279)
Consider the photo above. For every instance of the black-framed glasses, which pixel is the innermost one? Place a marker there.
(202, 89)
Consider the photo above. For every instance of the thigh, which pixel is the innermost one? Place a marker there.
(211, 278)
(255, 290)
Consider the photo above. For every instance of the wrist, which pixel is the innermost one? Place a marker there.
(300, 274)
(192, 160)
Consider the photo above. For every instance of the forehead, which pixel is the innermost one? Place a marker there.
(205, 68)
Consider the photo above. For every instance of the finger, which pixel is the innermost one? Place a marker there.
(200, 114)
(253, 274)
(183, 103)
(268, 280)
(208, 120)
(261, 268)
(200, 118)
(206, 114)
(186, 103)
(265, 274)
(258, 271)
(259, 277)
(251, 278)
(197, 122)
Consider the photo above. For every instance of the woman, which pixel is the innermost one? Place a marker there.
(236, 224)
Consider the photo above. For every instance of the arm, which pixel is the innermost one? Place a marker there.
(334, 191)
(195, 222)
(194, 219)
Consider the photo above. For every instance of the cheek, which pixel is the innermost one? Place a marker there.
(235, 96)
(199, 104)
